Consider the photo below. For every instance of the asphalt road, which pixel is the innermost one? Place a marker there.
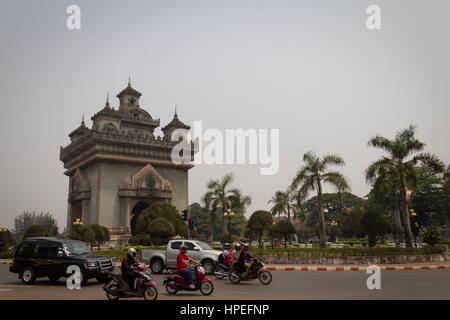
(417, 284)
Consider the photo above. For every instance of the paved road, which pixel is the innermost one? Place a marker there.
(417, 284)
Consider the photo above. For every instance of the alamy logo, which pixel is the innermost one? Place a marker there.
(374, 20)
(74, 280)
(374, 280)
(237, 146)
(73, 21)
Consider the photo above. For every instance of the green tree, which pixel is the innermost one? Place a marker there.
(83, 233)
(431, 236)
(281, 204)
(35, 230)
(304, 233)
(161, 230)
(400, 168)
(285, 229)
(220, 197)
(6, 240)
(260, 222)
(313, 174)
(24, 221)
(101, 234)
(374, 223)
(161, 210)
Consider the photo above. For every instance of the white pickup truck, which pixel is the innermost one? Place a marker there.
(160, 259)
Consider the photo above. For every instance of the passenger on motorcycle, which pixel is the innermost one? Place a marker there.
(227, 255)
(243, 257)
(183, 262)
(128, 267)
(236, 252)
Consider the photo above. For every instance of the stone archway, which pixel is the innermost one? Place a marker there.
(135, 212)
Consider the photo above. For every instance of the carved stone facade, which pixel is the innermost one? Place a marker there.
(118, 164)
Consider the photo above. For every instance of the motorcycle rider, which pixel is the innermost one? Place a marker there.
(243, 257)
(128, 265)
(183, 262)
(236, 252)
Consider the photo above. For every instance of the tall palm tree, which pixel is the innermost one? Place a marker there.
(220, 197)
(400, 168)
(311, 177)
(281, 204)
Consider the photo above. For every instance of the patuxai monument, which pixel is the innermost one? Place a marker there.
(118, 163)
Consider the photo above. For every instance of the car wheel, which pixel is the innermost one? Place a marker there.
(53, 278)
(28, 275)
(208, 265)
(157, 266)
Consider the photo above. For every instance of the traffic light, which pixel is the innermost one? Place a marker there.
(190, 223)
(184, 215)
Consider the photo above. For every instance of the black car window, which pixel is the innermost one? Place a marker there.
(25, 250)
(41, 250)
(189, 245)
(175, 245)
(53, 251)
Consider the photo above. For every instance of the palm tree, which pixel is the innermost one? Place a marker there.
(400, 171)
(220, 197)
(313, 174)
(281, 204)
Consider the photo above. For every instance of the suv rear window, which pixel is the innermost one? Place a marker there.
(41, 250)
(175, 245)
(25, 249)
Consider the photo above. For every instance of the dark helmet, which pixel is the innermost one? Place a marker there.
(226, 246)
(183, 248)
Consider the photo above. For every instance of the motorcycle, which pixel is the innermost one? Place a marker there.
(117, 286)
(221, 271)
(256, 271)
(175, 282)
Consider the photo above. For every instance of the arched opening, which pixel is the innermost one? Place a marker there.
(137, 209)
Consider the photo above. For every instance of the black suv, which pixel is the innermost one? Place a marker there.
(50, 257)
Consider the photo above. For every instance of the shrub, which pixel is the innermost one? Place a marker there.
(6, 240)
(35, 230)
(83, 233)
(431, 236)
(101, 233)
(161, 230)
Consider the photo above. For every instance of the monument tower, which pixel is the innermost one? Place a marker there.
(116, 167)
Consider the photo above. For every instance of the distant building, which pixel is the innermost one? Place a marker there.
(118, 163)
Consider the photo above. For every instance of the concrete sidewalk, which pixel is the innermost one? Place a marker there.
(323, 267)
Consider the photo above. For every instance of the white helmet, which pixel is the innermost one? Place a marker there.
(132, 252)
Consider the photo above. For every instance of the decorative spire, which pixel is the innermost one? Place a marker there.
(82, 120)
(129, 81)
(176, 115)
(107, 99)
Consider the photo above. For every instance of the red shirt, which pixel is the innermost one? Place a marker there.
(228, 258)
(180, 261)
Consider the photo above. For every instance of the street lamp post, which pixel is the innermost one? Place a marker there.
(228, 214)
(77, 222)
(413, 214)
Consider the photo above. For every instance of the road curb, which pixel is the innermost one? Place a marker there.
(387, 268)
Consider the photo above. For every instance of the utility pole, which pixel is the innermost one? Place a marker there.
(188, 221)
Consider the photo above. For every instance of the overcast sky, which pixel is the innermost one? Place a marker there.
(309, 68)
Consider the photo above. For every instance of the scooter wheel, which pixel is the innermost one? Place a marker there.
(265, 277)
(234, 278)
(170, 289)
(111, 296)
(151, 293)
(206, 288)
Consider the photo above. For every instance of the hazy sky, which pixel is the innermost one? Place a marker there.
(310, 68)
